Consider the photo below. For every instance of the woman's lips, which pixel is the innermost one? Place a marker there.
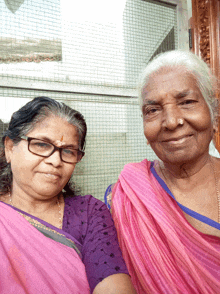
(51, 176)
(177, 141)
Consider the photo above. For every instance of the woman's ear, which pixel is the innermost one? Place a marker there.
(8, 149)
(215, 127)
(215, 124)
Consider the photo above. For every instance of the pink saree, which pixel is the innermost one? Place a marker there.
(163, 252)
(33, 263)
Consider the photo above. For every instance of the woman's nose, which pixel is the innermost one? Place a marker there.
(54, 158)
(171, 117)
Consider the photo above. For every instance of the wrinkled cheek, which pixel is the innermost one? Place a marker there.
(201, 120)
(157, 148)
(151, 131)
(204, 128)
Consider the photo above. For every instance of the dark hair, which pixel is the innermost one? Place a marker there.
(25, 119)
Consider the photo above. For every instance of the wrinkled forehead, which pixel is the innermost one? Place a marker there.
(169, 80)
(57, 129)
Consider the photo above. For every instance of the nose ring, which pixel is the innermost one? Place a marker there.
(180, 121)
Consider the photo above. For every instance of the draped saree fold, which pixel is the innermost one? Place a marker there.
(37, 260)
(163, 252)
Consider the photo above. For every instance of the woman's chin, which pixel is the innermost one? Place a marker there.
(178, 158)
(46, 192)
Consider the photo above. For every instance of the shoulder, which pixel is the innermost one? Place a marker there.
(136, 166)
(144, 162)
(87, 200)
(85, 204)
(81, 212)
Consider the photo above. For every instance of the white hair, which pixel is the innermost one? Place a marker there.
(193, 65)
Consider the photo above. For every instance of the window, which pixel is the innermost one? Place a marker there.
(89, 55)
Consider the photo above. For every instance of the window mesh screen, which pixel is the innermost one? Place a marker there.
(87, 54)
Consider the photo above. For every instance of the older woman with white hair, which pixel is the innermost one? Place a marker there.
(167, 212)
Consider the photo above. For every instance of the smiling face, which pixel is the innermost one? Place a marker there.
(170, 98)
(40, 177)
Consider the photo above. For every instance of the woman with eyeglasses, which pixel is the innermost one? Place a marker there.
(50, 241)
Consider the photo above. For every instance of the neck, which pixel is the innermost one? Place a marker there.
(185, 170)
(32, 206)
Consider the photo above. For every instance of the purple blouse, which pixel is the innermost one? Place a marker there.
(89, 221)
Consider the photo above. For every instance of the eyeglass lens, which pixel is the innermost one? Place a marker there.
(46, 149)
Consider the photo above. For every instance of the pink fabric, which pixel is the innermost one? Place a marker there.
(163, 252)
(33, 263)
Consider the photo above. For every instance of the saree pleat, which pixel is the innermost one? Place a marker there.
(34, 263)
(163, 252)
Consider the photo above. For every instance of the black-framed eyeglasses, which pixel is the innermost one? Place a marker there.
(46, 149)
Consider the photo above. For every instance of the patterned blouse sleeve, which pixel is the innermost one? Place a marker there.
(101, 253)
(108, 196)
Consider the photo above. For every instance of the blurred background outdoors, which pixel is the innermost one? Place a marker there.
(89, 55)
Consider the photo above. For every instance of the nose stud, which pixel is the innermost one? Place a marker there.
(180, 121)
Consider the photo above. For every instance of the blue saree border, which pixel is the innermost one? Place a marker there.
(187, 210)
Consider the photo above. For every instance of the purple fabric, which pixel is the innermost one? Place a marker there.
(89, 221)
(49, 225)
